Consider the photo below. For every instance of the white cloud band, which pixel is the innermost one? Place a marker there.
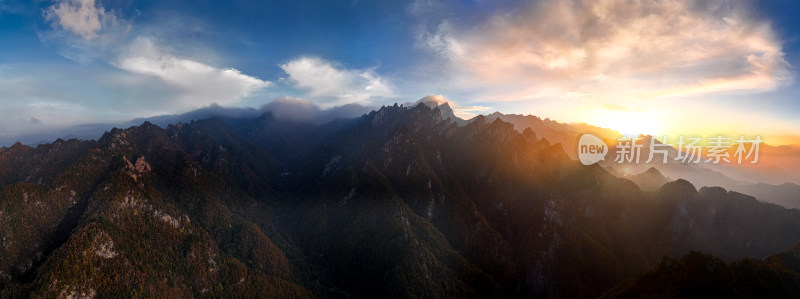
(198, 84)
(331, 85)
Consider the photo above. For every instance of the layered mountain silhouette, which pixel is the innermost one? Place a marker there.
(773, 179)
(704, 175)
(400, 202)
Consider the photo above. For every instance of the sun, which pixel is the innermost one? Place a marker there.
(629, 122)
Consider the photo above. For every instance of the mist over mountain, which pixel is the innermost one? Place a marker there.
(706, 174)
(399, 202)
(556, 132)
(771, 179)
(295, 109)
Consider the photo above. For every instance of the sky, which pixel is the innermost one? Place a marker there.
(673, 67)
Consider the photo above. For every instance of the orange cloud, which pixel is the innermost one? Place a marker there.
(614, 49)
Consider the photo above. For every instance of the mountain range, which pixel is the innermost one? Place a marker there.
(403, 201)
(773, 179)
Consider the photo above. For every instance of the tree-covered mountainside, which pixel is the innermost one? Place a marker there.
(400, 202)
(703, 275)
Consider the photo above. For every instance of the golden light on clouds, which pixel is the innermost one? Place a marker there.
(659, 62)
(613, 49)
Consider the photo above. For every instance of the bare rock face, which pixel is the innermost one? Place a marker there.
(104, 246)
(142, 166)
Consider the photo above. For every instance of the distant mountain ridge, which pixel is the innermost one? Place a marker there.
(785, 194)
(288, 108)
(400, 202)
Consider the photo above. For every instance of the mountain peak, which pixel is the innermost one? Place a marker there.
(678, 189)
(443, 105)
(18, 145)
(651, 179)
(652, 171)
(713, 192)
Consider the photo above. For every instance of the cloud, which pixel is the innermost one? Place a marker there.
(436, 100)
(83, 30)
(82, 17)
(292, 108)
(197, 84)
(610, 49)
(165, 81)
(469, 112)
(330, 84)
(303, 110)
(124, 70)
